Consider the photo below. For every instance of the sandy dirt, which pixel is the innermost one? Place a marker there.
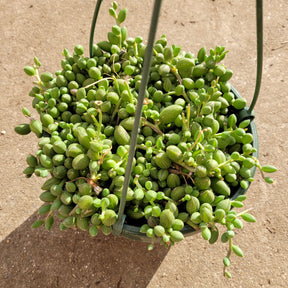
(36, 258)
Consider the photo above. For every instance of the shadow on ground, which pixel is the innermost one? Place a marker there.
(37, 258)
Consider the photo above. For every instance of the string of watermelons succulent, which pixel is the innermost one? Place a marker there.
(58, 134)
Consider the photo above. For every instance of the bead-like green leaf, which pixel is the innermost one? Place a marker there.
(268, 168)
(228, 274)
(268, 180)
(122, 15)
(37, 62)
(248, 217)
(30, 71)
(49, 222)
(37, 224)
(237, 204)
(226, 261)
(237, 250)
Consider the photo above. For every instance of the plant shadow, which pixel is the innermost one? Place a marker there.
(38, 258)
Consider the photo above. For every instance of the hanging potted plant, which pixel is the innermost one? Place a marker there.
(144, 141)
